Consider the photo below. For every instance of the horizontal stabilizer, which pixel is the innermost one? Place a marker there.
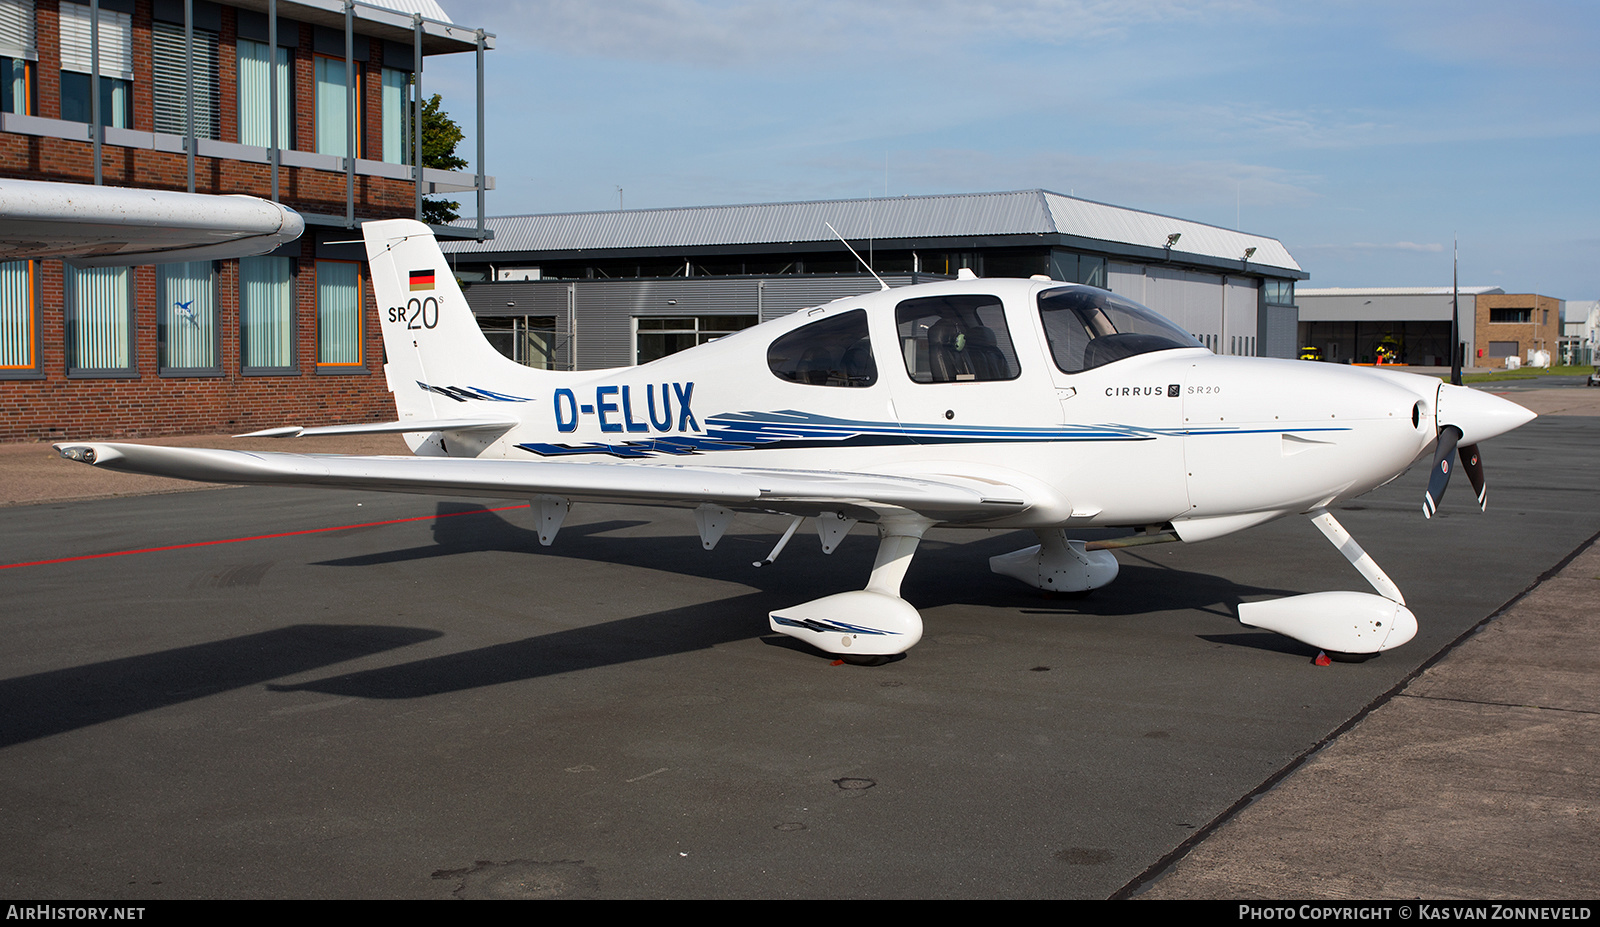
(413, 426)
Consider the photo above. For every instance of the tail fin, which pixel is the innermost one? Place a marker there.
(437, 355)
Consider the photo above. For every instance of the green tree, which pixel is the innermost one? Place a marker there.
(440, 136)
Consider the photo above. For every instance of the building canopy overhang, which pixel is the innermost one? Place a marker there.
(395, 20)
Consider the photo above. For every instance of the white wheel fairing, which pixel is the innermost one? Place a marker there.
(861, 623)
(1346, 622)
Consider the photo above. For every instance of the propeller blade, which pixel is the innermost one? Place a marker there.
(1439, 476)
(1472, 463)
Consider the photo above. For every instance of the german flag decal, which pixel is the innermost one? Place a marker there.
(421, 280)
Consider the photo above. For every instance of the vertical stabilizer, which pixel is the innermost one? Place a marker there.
(439, 363)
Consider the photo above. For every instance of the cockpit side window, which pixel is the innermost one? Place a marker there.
(832, 352)
(956, 339)
(1089, 328)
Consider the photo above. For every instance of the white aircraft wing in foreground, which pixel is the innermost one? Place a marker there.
(1026, 404)
(95, 226)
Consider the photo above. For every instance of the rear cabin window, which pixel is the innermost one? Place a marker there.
(956, 339)
(830, 352)
(1089, 328)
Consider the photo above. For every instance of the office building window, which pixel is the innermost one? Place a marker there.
(526, 339)
(99, 319)
(655, 338)
(116, 66)
(19, 49)
(16, 86)
(338, 313)
(18, 347)
(266, 312)
(396, 116)
(1077, 268)
(255, 96)
(332, 106)
(187, 320)
(172, 77)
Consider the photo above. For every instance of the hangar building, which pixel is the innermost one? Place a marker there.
(602, 289)
(1349, 324)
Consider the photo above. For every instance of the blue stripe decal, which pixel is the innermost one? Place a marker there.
(789, 429)
(464, 393)
(813, 624)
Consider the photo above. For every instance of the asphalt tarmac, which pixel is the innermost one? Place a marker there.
(268, 693)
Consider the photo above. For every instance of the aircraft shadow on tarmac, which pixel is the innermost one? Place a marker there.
(943, 574)
(54, 702)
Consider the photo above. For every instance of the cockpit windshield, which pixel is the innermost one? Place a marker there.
(1089, 328)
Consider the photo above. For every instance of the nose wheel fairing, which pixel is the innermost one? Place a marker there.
(1340, 622)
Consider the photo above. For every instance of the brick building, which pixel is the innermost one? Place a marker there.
(1514, 325)
(186, 96)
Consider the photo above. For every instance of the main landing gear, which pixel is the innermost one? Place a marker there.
(868, 626)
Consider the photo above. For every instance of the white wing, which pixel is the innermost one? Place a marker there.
(94, 226)
(801, 492)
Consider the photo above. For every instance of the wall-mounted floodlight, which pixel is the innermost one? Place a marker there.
(1173, 239)
(1249, 253)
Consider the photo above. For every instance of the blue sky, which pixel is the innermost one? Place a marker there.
(1364, 135)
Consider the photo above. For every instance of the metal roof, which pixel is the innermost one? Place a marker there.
(1394, 291)
(962, 215)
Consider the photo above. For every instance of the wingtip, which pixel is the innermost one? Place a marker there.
(91, 454)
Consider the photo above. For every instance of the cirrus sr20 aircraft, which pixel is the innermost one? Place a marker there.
(971, 403)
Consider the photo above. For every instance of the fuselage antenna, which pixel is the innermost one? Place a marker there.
(857, 256)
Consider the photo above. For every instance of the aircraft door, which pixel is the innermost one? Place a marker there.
(962, 377)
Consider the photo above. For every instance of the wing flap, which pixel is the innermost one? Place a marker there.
(798, 491)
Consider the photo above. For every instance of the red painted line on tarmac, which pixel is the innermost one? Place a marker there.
(257, 537)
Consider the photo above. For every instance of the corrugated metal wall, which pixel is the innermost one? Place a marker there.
(1280, 327)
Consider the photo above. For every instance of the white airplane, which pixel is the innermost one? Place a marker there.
(971, 403)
